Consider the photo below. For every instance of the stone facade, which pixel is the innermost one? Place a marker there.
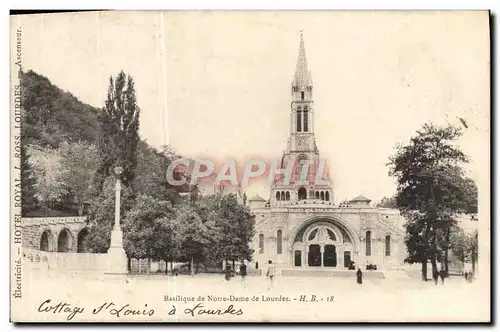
(300, 226)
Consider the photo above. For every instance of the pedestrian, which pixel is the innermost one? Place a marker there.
(466, 275)
(256, 265)
(442, 274)
(270, 274)
(435, 276)
(227, 273)
(470, 275)
(359, 276)
(243, 274)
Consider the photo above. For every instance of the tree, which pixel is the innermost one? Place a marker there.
(194, 233)
(235, 226)
(119, 125)
(472, 248)
(29, 201)
(144, 226)
(79, 162)
(49, 184)
(388, 202)
(430, 190)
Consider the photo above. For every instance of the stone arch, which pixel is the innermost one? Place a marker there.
(282, 195)
(344, 228)
(327, 196)
(81, 240)
(278, 196)
(46, 241)
(287, 196)
(322, 195)
(64, 241)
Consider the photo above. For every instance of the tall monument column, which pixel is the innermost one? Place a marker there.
(117, 258)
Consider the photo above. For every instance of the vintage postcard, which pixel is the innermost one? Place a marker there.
(250, 166)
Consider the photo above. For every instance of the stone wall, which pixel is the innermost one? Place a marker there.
(33, 228)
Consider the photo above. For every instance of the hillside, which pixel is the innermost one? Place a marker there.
(53, 115)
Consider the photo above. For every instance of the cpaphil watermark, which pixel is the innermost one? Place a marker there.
(299, 171)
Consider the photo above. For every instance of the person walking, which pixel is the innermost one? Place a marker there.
(227, 273)
(442, 274)
(359, 276)
(271, 271)
(243, 274)
(435, 276)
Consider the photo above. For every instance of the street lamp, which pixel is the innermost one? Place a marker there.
(117, 258)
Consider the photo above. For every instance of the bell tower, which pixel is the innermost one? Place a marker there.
(301, 145)
(302, 105)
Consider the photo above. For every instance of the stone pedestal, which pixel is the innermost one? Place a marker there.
(117, 258)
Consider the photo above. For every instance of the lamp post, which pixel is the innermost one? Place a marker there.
(117, 258)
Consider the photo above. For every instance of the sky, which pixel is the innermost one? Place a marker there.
(217, 84)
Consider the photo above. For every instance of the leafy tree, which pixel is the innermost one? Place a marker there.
(144, 225)
(194, 233)
(430, 190)
(29, 201)
(79, 162)
(49, 183)
(388, 202)
(102, 215)
(472, 248)
(458, 244)
(235, 226)
(118, 135)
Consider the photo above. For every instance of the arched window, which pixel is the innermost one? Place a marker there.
(302, 95)
(302, 193)
(306, 119)
(278, 196)
(327, 196)
(261, 243)
(282, 195)
(279, 242)
(299, 119)
(387, 245)
(368, 243)
(322, 195)
(287, 196)
(317, 195)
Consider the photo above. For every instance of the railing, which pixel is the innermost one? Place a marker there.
(67, 261)
(52, 220)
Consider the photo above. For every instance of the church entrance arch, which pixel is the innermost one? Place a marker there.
(323, 242)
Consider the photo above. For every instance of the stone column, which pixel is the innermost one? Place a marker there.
(306, 255)
(117, 258)
(322, 249)
(340, 257)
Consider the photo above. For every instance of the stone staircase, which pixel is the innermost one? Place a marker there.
(309, 272)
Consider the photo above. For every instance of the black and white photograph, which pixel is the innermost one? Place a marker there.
(250, 166)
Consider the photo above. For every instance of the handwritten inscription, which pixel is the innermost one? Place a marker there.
(192, 306)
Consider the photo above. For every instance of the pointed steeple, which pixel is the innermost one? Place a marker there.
(302, 78)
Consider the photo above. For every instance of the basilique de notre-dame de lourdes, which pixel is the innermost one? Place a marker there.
(300, 227)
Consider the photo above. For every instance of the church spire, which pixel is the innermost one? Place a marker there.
(302, 78)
